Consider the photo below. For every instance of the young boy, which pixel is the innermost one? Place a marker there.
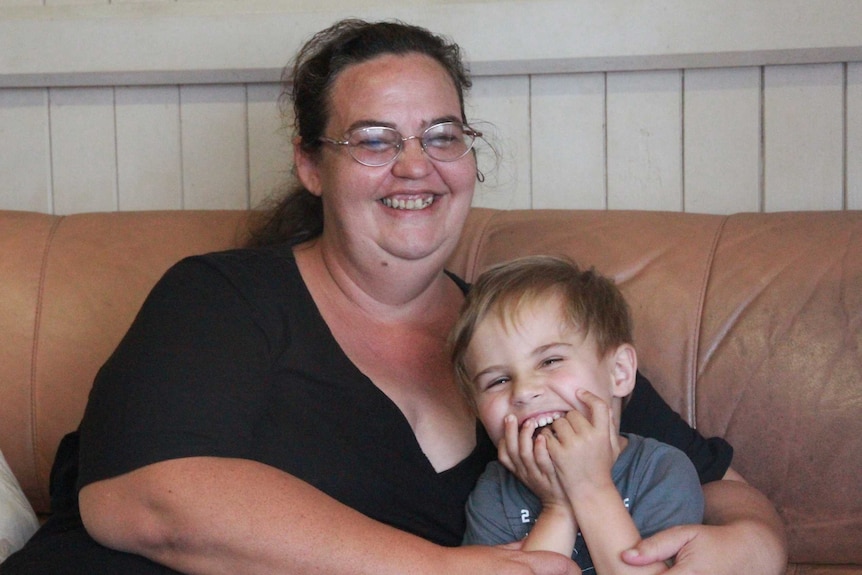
(544, 353)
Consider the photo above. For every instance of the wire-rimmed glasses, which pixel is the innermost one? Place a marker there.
(376, 146)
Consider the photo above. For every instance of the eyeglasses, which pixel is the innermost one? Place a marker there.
(376, 146)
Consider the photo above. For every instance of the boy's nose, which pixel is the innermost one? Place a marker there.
(525, 390)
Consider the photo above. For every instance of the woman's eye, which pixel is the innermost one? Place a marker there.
(375, 144)
(440, 141)
(374, 139)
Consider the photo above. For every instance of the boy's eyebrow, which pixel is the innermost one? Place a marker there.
(548, 346)
(487, 370)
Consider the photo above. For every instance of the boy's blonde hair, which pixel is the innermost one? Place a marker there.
(591, 302)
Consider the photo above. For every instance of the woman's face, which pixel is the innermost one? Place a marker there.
(409, 209)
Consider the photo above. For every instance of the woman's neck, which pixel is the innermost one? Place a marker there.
(384, 288)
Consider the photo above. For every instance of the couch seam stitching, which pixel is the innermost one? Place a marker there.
(699, 323)
(37, 323)
(480, 242)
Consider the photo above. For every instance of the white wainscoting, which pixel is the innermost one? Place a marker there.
(668, 105)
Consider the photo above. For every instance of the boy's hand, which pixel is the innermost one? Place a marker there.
(528, 459)
(583, 446)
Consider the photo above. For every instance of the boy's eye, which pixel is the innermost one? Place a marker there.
(495, 382)
(551, 361)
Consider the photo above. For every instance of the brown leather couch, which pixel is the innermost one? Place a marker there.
(750, 325)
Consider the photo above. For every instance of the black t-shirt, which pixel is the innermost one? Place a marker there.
(230, 357)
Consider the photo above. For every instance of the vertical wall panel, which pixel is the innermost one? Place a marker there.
(214, 147)
(83, 150)
(804, 137)
(149, 172)
(645, 140)
(722, 140)
(269, 143)
(568, 141)
(25, 157)
(854, 136)
(502, 106)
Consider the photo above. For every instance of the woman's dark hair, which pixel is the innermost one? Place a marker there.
(307, 83)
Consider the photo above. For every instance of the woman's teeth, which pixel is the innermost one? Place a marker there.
(411, 204)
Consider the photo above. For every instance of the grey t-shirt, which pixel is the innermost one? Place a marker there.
(658, 484)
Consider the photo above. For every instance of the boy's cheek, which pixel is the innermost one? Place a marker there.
(492, 421)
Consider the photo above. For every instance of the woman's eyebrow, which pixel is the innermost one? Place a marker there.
(370, 124)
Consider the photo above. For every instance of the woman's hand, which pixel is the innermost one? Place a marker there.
(742, 534)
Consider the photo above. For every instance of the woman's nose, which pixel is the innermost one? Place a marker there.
(412, 162)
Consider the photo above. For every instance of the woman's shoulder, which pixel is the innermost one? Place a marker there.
(272, 267)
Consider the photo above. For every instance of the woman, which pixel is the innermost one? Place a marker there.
(290, 408)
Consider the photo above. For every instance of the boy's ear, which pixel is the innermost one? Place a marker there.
(624, 368)
(306, 168)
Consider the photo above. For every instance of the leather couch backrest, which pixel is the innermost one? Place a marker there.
(750, 325)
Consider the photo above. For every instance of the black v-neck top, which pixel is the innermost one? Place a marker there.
(230, 357)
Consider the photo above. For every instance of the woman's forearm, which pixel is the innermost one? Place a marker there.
(733, 501)
(213, 516)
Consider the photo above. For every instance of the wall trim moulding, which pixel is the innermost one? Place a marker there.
(249, 41)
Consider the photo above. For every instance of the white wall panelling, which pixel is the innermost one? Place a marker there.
(673, 104)
(218, 41)
(214, 147)
(500, 107)
(25, 163)
(644, 112)
(269, 147)
(804, 137)
(568, 141)
(83, 149)
(721, 140)
(853, 152)
(148, 148)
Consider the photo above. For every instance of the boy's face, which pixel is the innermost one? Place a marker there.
(532, 364)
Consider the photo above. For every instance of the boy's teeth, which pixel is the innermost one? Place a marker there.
(548, 419)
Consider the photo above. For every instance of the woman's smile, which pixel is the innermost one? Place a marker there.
(412, 203)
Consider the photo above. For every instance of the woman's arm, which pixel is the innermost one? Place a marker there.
(211, 516)
(742, 530)
(742, 534)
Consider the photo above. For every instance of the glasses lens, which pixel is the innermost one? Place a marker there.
(374, 146)
(448, 141)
